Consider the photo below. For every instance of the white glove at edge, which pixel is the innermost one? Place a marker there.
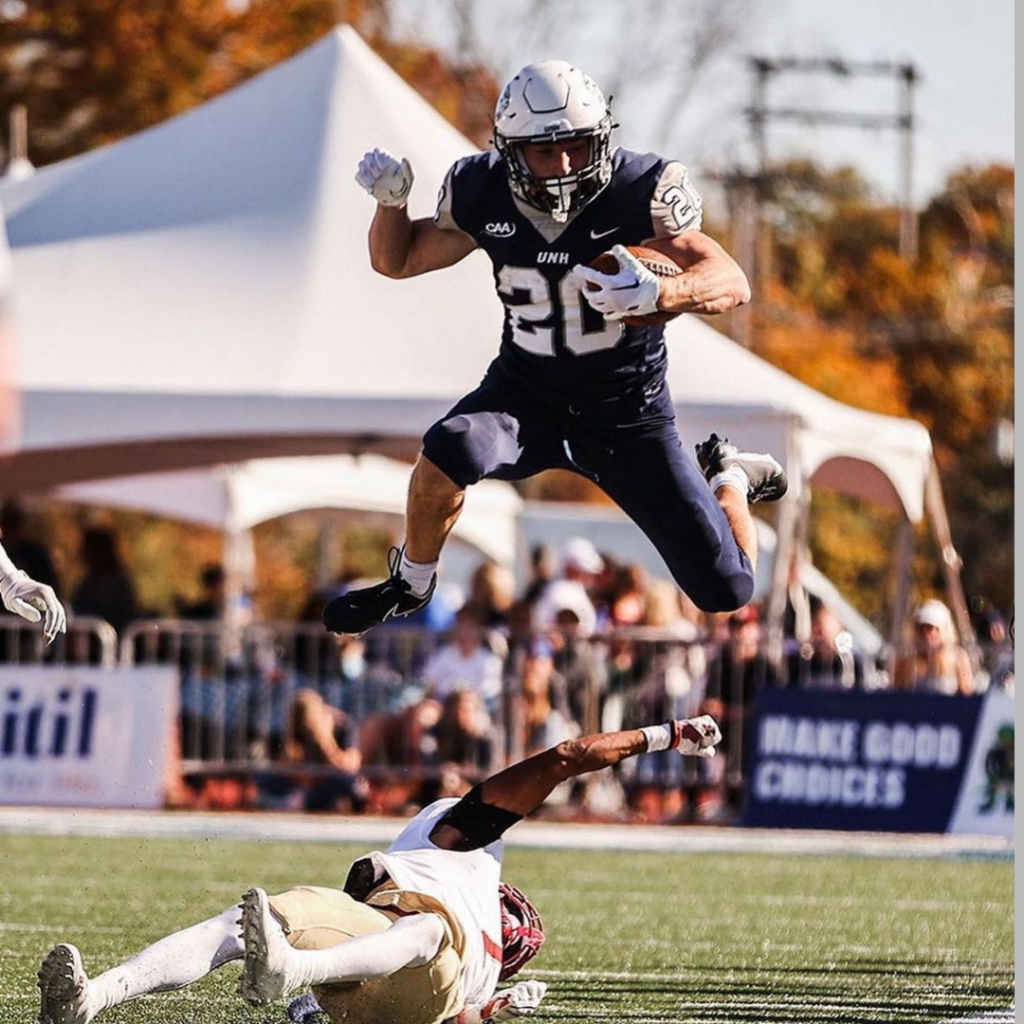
(386, 178)
(33, 601)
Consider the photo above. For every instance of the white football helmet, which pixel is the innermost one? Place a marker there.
(548, 102)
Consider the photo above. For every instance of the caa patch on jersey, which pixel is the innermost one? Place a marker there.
(655, 260)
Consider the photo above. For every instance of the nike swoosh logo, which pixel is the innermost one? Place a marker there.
(595, 235)
(625, 287)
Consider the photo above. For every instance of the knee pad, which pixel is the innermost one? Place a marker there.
(470, 446)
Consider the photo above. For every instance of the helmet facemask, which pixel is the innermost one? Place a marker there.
(559, 196)
(554, 102)
(522, 931)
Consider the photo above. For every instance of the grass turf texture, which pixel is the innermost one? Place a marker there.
(637, 937)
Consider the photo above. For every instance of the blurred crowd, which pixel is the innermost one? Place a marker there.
(295, 718)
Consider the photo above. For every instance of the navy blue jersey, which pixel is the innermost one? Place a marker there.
(553, 342)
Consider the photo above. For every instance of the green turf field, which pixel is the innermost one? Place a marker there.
(637, 937)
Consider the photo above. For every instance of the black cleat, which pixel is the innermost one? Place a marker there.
(359, 610)
(767, 478)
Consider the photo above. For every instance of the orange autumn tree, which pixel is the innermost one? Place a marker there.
(842, 311)
(94, 71)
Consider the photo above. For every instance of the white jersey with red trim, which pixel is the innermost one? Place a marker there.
(465, 882)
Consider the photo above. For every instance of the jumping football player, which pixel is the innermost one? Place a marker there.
(573, 386)
(420, 934)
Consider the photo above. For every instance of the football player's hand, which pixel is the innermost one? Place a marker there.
(520, 1000)
(699, 736)
(33, 601)
(633, 291)
(386, 178)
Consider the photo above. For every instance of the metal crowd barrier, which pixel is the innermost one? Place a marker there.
(238, 695)
(88, 641)
(242, 692)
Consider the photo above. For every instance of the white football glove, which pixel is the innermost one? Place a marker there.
(386, 178)
(521, 1000)
(700, 736)
(33, 601)
(633, 291)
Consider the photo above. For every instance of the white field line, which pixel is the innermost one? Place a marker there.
(548, 835)
(1007, 1016)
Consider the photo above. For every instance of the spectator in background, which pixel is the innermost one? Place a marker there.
(28, 555)
(628, 598)
(734, 678)
(994, 644)
(106, 591)
(465, 741)
(582, 664)
(545, 715)
(464, 662)
(581, 565)
(542, 572)
(935, 663)
(492, 589)
(320, 736)
(212, 604)
(828, 660)
(666, 672)
(602, 588)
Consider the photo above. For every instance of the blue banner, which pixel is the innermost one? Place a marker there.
(890, 762)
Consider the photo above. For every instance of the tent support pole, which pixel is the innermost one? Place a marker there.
(784, 552)
(901, 590)
(949, 558)
(801, 557)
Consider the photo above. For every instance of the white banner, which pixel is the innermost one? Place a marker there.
(87, 737)
(985, 803)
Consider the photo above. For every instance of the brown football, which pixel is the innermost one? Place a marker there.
(657, 262)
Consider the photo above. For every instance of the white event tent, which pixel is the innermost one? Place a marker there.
(200, 294)
(235, 497)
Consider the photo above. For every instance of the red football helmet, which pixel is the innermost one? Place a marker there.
(522, 931)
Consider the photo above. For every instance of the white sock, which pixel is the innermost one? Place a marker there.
(417, 574)
(173, 962)
(733, 476)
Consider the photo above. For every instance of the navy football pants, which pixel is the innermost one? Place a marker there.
(635, 455)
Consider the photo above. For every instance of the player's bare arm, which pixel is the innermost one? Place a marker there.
(400, 247)
(713, 281)
(522, 787)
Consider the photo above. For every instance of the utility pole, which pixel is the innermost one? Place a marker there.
(748, 191)
(759, 113)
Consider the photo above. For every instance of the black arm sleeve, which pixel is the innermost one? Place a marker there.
(479, 823)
